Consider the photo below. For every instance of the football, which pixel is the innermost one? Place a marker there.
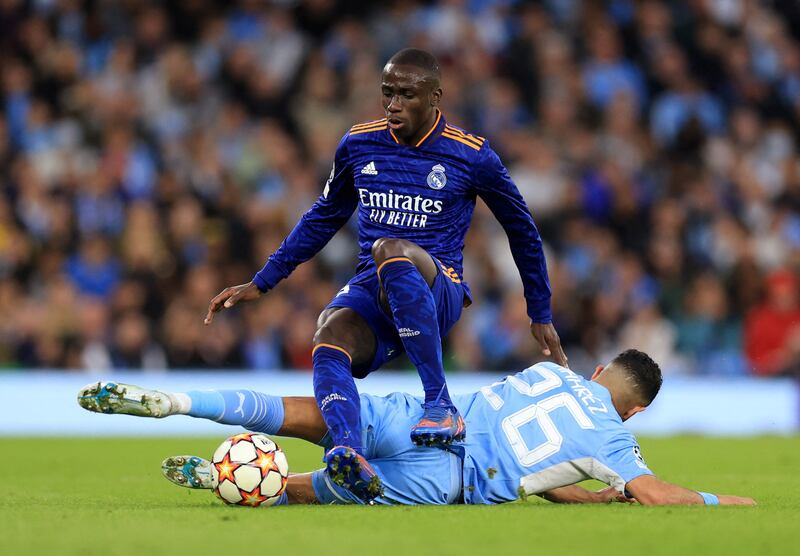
(249, 470)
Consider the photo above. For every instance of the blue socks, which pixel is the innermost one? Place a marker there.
(414, 312)
(254, 411)
(337, 396)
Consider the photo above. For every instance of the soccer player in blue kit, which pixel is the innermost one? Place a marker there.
(413, 179)
(534, 433)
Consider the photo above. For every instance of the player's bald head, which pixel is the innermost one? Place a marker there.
(422, 61)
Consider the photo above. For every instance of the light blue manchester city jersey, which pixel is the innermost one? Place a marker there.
(540, 429)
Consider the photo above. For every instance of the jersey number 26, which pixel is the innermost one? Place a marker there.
(538, 412)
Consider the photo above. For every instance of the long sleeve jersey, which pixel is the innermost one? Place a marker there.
(423, 193)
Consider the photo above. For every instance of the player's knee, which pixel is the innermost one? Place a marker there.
(328, 333)
(323, 335)
(387, 247)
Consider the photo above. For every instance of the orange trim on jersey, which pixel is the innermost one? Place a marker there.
(461, 140)
(453, 131)
(333, 347)
(393, 260)
(369, 129)
(368, 124)
(476, 138)
(436, 123)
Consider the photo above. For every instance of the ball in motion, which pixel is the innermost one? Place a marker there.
(249, 470)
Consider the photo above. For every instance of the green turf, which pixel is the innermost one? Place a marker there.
(100, 497)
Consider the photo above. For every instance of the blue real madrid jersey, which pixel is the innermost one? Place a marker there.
(541, 429)
(423, 193)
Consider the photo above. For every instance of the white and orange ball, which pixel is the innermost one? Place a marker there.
(249, 469)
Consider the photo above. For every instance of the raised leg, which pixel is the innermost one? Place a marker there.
(407, 273)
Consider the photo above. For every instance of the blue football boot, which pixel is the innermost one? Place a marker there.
(441, 425)
(348, 469)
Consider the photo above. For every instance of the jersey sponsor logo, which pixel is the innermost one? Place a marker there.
(396, 209)
(369, 169)
(437, 179)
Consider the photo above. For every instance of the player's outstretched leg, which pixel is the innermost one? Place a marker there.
(127, 399)
(255, 411)
(349, 469)
(415, 316)
(187, 471)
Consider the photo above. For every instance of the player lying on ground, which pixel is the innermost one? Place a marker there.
(536, 432)
(414, 180)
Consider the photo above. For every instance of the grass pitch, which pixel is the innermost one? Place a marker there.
(106, 497)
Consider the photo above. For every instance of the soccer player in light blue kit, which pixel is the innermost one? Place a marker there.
(534, 433)
(413, 180)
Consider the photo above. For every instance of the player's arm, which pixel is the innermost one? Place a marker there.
(314, 230)
(495, 187)
(649, 490)
(574, 494)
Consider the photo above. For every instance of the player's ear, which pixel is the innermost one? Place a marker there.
(633, 411)
(436, 96)
(597, 371)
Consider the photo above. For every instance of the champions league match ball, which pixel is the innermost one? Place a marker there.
(249, 470)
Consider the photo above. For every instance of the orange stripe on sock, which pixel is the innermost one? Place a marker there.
(333, 347)
(393, 260)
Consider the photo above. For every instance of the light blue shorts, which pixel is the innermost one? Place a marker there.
(410, 474)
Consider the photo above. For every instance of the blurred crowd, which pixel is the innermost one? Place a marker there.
(152, 154)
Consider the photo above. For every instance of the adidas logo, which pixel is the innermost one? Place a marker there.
(369, 169)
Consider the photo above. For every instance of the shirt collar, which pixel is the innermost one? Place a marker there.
(437, 124)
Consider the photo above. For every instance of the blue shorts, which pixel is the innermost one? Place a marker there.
(362, 294)
(410, 474)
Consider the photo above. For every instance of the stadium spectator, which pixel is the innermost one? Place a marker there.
(772, 335)
(151, 152)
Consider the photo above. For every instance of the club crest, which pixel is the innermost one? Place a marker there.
(437, 179)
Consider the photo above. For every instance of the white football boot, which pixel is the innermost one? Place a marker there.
(126, 399)
(187, 471)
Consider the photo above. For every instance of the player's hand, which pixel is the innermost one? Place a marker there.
(610, 494)
(546, 335)
(728, 500)
(229, 297)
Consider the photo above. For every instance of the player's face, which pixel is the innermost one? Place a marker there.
(409, 100)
